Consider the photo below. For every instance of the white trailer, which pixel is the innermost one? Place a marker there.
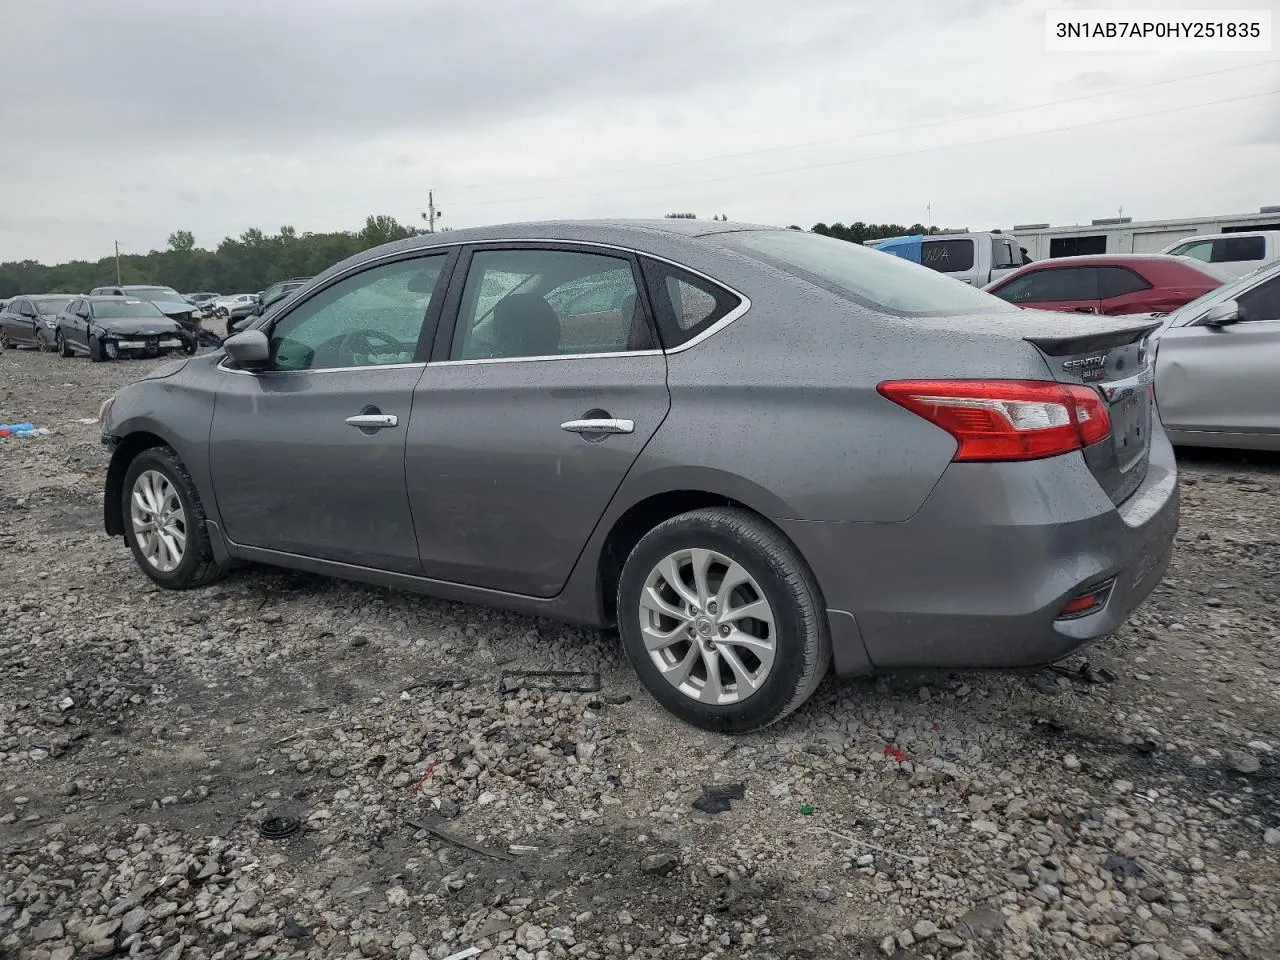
(1123, 235)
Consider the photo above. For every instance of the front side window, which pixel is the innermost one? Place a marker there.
(1262, 302)
(547, 303)
(373, 318)
(1197, 250)
(861, 274)
(1051, 284)
(1002, 255)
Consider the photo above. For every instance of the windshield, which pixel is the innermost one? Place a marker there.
(1228, 291)
(121, 309)
(863, 274)
(155, 293)
(50, 305)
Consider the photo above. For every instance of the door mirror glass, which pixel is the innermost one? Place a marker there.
(249, 349)
(1221, 314)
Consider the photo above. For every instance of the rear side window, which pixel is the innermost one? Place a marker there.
(685, 303)
(1262, 302)
(947, 256)
(1236, 249)
(1119, 281)
(1051, 284)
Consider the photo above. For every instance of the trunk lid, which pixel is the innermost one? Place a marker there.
(1114, 359)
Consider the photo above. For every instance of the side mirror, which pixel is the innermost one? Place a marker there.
(1221, 314)
(249, 349)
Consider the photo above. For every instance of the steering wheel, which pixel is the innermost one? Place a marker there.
(364, 342)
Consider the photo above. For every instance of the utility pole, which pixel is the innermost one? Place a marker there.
(928, 209)
(118, 263)
(432, 214)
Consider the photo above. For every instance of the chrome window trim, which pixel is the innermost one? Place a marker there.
(222, 365)
(743, 306)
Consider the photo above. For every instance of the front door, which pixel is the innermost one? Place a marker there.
(549, 386)
(1224, 379)
(308, 456)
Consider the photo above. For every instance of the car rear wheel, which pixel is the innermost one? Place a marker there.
(722, 620)
(165, 522)
(60, 342)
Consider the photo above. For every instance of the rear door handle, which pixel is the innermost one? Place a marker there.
(609, 425)
(373, 421)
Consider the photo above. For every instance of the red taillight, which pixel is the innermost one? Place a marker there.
(1006, 419)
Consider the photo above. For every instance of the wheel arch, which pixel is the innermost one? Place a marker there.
(126, 450)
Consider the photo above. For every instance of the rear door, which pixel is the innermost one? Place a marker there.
(1072, 289)
(1225, 379)
(537, 402)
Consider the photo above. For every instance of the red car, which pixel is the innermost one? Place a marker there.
(1116, 284)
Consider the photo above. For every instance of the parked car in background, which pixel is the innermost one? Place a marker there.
(223, 306)
(30, 321)
(1109, 284)
(1233, 254)
(199, 298)
(974, 258)
(170, 302)
(241, 318)
(113, 327)
(664, 426)
(1218, 366)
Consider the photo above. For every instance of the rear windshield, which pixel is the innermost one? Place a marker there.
(155, 293)
(126, 310)
(51, 305)
(947, 256)
(862, 274)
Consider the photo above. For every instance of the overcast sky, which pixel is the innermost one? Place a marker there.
(128, 120)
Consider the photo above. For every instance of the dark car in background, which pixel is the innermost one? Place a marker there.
(171, 303)
(1114, 285)
(30, 320)
(241, 317)
(114, 327)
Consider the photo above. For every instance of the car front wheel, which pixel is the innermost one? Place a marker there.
(60, 342)
(722, 620)
(165, 522)
(95, 350)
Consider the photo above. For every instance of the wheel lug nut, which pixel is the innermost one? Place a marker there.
(724, 631)
(711, 607)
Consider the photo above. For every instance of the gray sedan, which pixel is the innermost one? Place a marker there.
(760, 453)
(1218, 366)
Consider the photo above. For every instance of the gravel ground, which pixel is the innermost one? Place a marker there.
(148, 738)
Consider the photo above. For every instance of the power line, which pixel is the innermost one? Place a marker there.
(964, 118)
(883, 156)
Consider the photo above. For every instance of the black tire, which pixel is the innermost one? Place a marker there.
(5, 344)
(802, 642)
(60, 342)
(95, 350)
(199, 565)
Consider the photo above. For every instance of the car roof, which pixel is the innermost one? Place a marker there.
(1112, 259)
(117, 299)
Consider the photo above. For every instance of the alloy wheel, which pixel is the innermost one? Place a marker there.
(707, 626)
(159, 521)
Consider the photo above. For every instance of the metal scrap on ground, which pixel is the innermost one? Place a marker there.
(565, 681)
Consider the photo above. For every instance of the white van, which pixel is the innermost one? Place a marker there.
(972, 258)
(1234, 254)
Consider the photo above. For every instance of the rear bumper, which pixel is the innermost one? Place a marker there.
(979, 576)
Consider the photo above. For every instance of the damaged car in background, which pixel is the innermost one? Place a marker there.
(761, 454)
(1218, 366)
(112, 327)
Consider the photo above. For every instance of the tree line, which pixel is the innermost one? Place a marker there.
(245, 264)
(254, 260)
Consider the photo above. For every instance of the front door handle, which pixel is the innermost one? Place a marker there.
(603, 425)
(373, 421)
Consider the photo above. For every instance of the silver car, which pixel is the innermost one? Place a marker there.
(1218, 366)
(760, 453)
